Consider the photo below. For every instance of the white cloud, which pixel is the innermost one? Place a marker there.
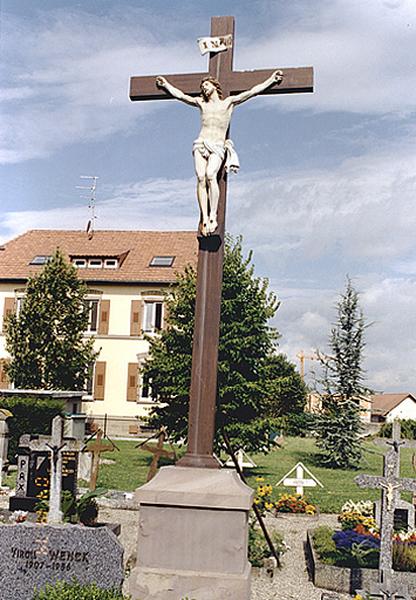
(75, 67)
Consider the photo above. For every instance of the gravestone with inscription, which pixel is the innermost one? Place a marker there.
(34, 470)
(33, 555)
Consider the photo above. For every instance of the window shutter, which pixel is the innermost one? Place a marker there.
(136, 317)
(104, 317)
(4, 380)
(99, 380)
(9, 308)
(132, 377)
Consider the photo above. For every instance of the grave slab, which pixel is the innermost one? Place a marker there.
(34, 555)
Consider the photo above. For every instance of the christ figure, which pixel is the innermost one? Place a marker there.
(211, 148)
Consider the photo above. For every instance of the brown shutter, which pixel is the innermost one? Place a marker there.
(9, 308)
(99, 380)
(136, 317)
(4, 380)
(104, 317)
(132, 377)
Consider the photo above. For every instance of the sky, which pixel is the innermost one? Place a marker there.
(327, 185)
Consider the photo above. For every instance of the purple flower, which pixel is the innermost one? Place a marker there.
(345, 539)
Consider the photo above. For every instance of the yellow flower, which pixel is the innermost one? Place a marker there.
(259, 478)
(269, 505)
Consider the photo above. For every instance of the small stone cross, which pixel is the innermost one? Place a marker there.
(391, 485)
(96, 448)
(56, 447)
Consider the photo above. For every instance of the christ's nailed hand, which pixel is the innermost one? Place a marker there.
(161, 81)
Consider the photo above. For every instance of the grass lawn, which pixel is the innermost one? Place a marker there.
(131, 466)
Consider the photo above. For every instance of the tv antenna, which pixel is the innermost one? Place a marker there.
(91, 197)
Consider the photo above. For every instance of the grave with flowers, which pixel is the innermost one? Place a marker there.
(373, 559)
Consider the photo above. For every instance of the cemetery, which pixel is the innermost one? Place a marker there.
(231, 490)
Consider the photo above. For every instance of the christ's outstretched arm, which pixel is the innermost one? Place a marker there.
(275, 77)
(175, 92)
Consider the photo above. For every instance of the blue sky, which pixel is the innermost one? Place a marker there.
(327, 184)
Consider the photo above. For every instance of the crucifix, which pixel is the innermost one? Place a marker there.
(56, 447)
(391, 485)
(211, 157)
(96, 448)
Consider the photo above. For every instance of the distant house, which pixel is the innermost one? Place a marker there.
(387, 407)
(128, 274)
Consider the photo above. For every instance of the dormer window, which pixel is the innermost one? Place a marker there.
(162, 261)
(40, 260)
(79, 263)
(95, 263)
(110, 263)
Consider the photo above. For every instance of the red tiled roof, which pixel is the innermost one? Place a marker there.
(139, 246)
(382, 404)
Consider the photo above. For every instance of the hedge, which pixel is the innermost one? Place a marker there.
(30, 415)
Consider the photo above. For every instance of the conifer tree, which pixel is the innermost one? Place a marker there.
(246, 344)
(45, 338)
(339, 425)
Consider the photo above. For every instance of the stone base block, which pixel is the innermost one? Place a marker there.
(158, 584)
(193, 530)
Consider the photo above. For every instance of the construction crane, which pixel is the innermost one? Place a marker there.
(302, 357)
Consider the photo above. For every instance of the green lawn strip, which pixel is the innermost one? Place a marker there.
(131, 466)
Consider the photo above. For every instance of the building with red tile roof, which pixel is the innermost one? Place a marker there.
(128, 274)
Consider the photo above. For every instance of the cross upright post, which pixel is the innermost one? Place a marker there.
(203, 389)
(56, 447)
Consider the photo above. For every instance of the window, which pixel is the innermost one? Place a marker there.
(146, 389)
(162, 261)
(110, 263)
(79, 263)
(95, 263)
(92, 315)
(152, 319)
(40, 260)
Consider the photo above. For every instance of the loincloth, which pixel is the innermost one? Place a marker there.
(222, 150)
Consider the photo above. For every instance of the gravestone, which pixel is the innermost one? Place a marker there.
(404, 515)
(33, 555)
(4, 440)
(34, 470)
(391, 484)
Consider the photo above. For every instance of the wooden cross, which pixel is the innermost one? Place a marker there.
(96, 448)
(157, 452)
(391, 485)
(203, 392)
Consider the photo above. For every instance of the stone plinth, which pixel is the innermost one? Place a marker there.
(193, 529)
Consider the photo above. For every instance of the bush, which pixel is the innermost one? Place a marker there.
(325, 545)
(258, 548)
(63, 590)
(296, 424)
(30, 415)
(404, 557)
(407, 429)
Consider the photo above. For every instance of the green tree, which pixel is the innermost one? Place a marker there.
(284, 387)
(45, 338)
(341, 386)
(246, 345)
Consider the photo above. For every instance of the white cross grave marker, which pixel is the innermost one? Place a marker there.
(299, 482)
(244, 461)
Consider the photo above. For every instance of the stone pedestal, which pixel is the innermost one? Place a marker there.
(193, 532)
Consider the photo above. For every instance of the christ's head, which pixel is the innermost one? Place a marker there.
(208, 86)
